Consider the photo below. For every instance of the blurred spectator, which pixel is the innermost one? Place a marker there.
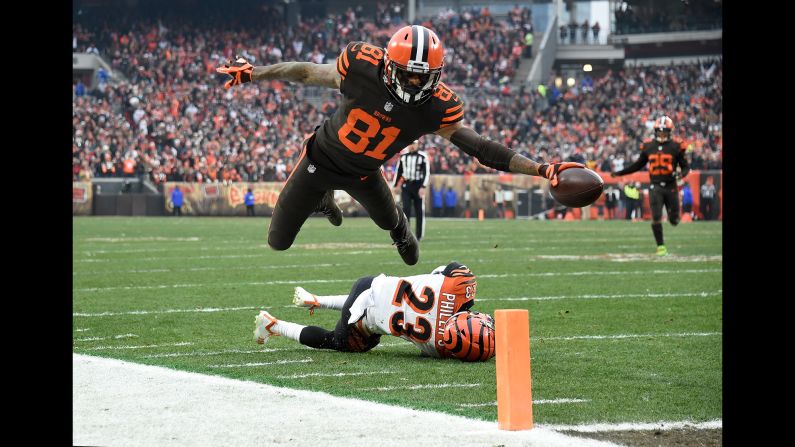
(612, 196)
(499, 201)
(584, 28)
(573, 31)
(528, 45)
(437, 201)
(631, 199)
(709, 199)
(248, 199)
(450, 202)
(564, 32)
(595, 29)
(687, 199)
(177, 201)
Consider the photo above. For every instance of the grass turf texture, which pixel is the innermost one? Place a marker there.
(668, 367)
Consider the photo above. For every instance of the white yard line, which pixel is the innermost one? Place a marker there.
(702, 294)
(207, 354)
(424, 387)
(252, 364)
(142, 239)
(165, 311)
(535, 402)
(114, 337)
(122, 403)
(623, 336)
(364, 373)
(205, 269)
(100, 348)
(606, 296)
(632, 426)
(322, 281)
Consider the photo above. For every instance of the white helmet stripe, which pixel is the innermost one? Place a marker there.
(420, 44)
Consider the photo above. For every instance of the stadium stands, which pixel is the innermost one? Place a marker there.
(170, 120)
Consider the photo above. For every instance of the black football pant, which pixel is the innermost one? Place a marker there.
(345, 337)
(304, 190)
(667, 196)
(410, 196)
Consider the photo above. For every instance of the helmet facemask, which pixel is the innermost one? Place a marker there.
(396, 78)
(662, 135)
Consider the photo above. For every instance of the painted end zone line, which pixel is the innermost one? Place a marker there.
(116, 402)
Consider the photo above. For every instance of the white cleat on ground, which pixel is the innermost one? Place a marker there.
(302, 298)
(264, 322)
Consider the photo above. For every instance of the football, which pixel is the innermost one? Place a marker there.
(577, 187)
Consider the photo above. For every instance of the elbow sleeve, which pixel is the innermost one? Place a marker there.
(490, 153)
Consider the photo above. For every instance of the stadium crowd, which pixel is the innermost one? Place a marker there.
(171, 120)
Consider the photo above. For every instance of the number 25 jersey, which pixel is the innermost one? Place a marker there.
(371, 126)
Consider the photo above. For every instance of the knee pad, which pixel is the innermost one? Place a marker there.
(279, 243)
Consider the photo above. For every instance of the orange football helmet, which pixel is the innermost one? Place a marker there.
(469, 336)
(413, 64)
(662, 128)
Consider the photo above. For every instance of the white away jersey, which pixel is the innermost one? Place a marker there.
(415, 308)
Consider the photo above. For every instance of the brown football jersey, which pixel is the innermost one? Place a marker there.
(370, 125)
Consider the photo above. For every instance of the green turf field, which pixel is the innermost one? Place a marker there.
(617, 335)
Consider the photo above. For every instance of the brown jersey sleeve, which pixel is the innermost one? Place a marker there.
(448, 106)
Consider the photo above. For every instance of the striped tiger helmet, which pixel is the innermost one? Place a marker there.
(469, 336)
(662, 128)
(413, 51)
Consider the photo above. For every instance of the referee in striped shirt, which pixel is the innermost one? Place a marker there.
(412, 175)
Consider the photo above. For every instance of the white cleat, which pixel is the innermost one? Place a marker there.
(264, 322)
(302, 298)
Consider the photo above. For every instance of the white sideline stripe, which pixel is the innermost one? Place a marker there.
(321, 281)
(424, 387)
(627, 426)
(247, 365)
(115, 337)
(166, 311)
(97, 348)
(620, 336)
(592, 297)
(204, 354)
(122, 403)
(82, 330)
(535, 402)
(304, 376)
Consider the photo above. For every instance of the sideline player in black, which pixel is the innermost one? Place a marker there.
(412, 176)
(390, 97)
(663, 155)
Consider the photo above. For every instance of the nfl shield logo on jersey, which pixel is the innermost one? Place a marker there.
(388, 106)
(311, 168)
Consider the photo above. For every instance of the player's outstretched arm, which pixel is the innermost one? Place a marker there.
(497, 156)
(241, 71)
(634, 167)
